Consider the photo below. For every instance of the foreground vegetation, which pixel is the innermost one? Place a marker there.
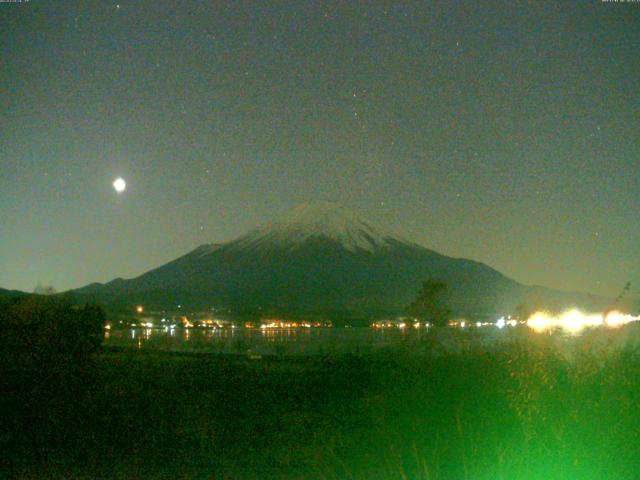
(521, 411)
(43, 328)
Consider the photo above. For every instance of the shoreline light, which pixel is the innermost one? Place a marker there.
(574, 321)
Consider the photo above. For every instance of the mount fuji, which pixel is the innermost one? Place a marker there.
(319, 260)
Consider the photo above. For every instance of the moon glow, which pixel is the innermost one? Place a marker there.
(119, 185)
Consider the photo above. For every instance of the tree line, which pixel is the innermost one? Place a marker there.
(42, 326)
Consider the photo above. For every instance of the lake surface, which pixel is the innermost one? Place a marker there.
(299, 341)
(335, 341)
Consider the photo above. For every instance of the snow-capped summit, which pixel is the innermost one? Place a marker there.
(322, 220)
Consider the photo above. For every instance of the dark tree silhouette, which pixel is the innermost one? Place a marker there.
(430, 305)
(43, 326)
(44, 290)
(523, 311)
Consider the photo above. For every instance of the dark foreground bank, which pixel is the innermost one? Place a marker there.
(522, 412)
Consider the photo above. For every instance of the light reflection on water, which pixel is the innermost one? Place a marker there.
(328, 341)
(277, 341)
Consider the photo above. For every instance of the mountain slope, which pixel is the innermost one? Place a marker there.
(9, 294)
(318, 260)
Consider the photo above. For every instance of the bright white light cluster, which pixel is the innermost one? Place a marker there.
(574, 321)
(502, 322)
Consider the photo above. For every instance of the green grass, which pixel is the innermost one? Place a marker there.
(522, 411)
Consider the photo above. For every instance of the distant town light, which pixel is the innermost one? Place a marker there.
(574, 321)
(139, 309)
(616, 318)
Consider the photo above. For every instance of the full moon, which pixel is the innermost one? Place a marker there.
(119, 184)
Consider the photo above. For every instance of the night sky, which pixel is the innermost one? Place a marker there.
(505, 132)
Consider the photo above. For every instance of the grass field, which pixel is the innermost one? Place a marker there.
(520, 411)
